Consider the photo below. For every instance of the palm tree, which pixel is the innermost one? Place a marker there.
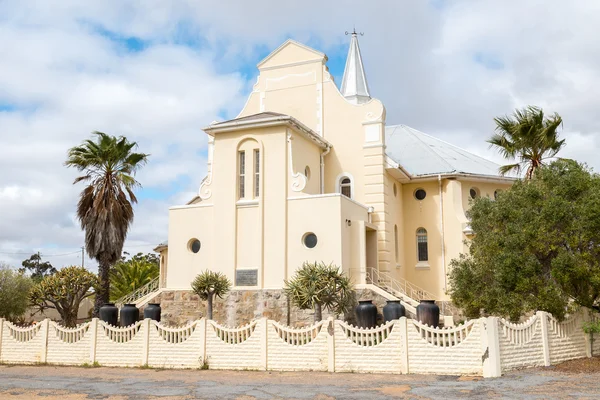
(127, 276)
(209, 284)
(529, 137)
(105, 207)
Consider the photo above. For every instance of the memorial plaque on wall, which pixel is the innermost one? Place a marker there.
(246, 277)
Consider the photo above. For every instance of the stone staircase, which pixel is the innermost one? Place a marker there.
(140, 296)
(410, 294)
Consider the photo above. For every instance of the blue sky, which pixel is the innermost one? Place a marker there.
(159, 74)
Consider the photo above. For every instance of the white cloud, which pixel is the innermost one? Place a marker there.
(67, 79)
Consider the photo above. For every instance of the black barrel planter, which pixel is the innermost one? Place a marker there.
(366, 314)
(393, 310)
(152, 311)
(109, 313)
(130, 314)
(428, 313)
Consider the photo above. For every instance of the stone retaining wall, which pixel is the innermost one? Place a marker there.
(242, 306)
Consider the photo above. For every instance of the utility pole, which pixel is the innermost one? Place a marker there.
(82, 256)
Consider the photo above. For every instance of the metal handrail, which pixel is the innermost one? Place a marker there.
(137, 294)
(413, 292)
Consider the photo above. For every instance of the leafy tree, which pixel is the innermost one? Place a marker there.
(105, 207)
(529, 137)
(129, 275)
(317, 285)
(36, 267)
(147, 258)
(14, 292)
(209, 284)
(537, 247)
(64, 292)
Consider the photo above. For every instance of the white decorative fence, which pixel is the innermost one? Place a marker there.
(486, 346)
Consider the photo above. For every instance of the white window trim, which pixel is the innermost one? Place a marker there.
(242, 175)
(422, 265)
(256, 174)
(338, 181)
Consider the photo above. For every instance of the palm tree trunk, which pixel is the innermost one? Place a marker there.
(209, 305)
(318, 314)
(102, 291)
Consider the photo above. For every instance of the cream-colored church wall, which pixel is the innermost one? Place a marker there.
(353, 234)
(321, 216)
(185, 224)
(396, 226)
(343, 128)
(485, 189)
(423, 214)
(334, 220)
(248, 237)
(306, 154)
(293, 91)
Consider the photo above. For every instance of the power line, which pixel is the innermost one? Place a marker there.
(41, 254)
(66, 254)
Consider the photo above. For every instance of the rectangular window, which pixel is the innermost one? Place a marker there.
(242, 175)
(422, 247)
(256, 173)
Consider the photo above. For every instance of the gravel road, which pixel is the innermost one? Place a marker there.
(67, 383)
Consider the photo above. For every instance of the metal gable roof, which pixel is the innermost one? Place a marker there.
(421, 154)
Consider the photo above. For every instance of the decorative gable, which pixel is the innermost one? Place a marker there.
(291, 53)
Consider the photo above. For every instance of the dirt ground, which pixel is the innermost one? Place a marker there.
(70, 383)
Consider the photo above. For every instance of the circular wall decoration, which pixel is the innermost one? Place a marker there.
(474, 192)
(194, 245)
(420, 194)
(309, 240)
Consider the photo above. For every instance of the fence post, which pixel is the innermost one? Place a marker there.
(93, 339)
(403, 326)
(146, 344)
(264, 345)
(330, 344)
(202, 326)
(46, 328)
(589, 337)
(1, 334)
(490, 343)
(543, 316)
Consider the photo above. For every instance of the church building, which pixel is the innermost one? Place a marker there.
(311, 172)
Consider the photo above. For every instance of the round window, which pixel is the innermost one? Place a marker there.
(420, 194)
(194, 245)
(474, 192)
(395, 190)
(307, 172)
(309, 240)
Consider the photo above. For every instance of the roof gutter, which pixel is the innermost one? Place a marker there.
(463, 176)
(267, 122)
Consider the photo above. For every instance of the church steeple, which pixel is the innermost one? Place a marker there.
(354, 83)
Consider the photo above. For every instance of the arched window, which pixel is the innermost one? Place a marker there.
(249, 171)
(422, 245)
(346, 187)
(396, 242)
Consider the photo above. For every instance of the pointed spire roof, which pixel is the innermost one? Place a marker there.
(354, 83)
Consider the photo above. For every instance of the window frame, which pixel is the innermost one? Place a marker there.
(419, 234)
(256, 173)
(241, 174)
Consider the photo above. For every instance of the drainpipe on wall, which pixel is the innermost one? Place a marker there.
(443, 235)
(322, 170)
